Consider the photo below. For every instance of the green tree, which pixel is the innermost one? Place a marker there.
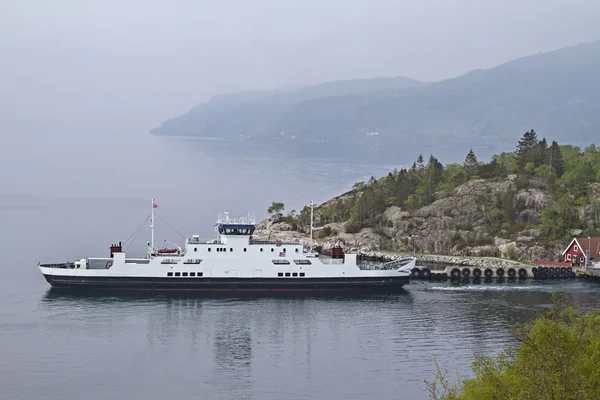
(555, 159)
(433, 176)
(526, 147)
(276, 210)
(471, 163)
(557, 357)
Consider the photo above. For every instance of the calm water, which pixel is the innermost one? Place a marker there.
(65, 204)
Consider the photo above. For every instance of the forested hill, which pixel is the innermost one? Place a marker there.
(389, 119)
(522, 204)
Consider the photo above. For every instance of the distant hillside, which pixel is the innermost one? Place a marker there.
(246, 114)
(390, 119)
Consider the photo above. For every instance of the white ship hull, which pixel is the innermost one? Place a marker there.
(233, 263)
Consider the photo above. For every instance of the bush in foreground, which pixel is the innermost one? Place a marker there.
(558, 357)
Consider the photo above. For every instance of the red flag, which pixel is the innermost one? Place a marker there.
(282, 254)
(154, 205)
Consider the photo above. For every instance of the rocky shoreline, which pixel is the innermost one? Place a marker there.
(269, 230)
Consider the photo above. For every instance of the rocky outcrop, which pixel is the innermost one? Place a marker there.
(272, 230)
(454, 229)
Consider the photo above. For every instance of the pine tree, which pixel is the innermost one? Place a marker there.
(420, 162)
(555, 159)
(527, 144)
(471, 163)
(435, 170)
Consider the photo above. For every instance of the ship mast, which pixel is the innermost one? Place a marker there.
(152, 226)
(311, 226)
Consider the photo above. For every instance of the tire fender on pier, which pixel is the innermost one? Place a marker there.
(522, 273)
(512, 273)
(415, 272)
(455, 273)
(466, 272)
(425, 273)
(477, 273)
(488, 273)
(500, 272)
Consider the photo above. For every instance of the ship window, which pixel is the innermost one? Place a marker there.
(169, 274)
(195, 249)
(272, 249)
(284, 249)
(295, 274)
(287, 274)
(296, 250)
(177, 274)
(192, 274)
(244, 249)
(209, 249)
(301, 273)
(302, 262)
(184, 274)
(280, 261)
(280, 274)
(200, 274)
(261, 249)
(231, 249)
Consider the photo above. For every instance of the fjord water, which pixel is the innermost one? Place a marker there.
(67, 197)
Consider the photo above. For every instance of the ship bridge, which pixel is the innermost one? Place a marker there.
(239, 226)
(236, 229)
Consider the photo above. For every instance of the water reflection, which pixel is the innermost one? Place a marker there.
(265, 345)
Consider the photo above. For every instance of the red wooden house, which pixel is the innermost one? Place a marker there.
(577, 251)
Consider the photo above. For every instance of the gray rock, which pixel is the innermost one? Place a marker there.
(524, 239)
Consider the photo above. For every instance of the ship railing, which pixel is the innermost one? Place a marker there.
(400, 262)
(224, 218)
(275, 242)
(394, 264)
(198, 241)
(332, 261)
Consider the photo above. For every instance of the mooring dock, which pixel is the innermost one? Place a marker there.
(517, 272)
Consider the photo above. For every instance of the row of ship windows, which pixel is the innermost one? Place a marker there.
(277, 261)
(280, 261)
(224, 249)
(174, 261)
(184, 274)
(199, 274)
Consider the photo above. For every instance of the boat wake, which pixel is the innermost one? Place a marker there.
(495, 288)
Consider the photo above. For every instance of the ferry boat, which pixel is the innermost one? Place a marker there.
(233, 262)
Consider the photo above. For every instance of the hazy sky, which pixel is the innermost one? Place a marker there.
(129, 65)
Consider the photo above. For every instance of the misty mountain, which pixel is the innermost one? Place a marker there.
(246, 114)
(386, 119)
